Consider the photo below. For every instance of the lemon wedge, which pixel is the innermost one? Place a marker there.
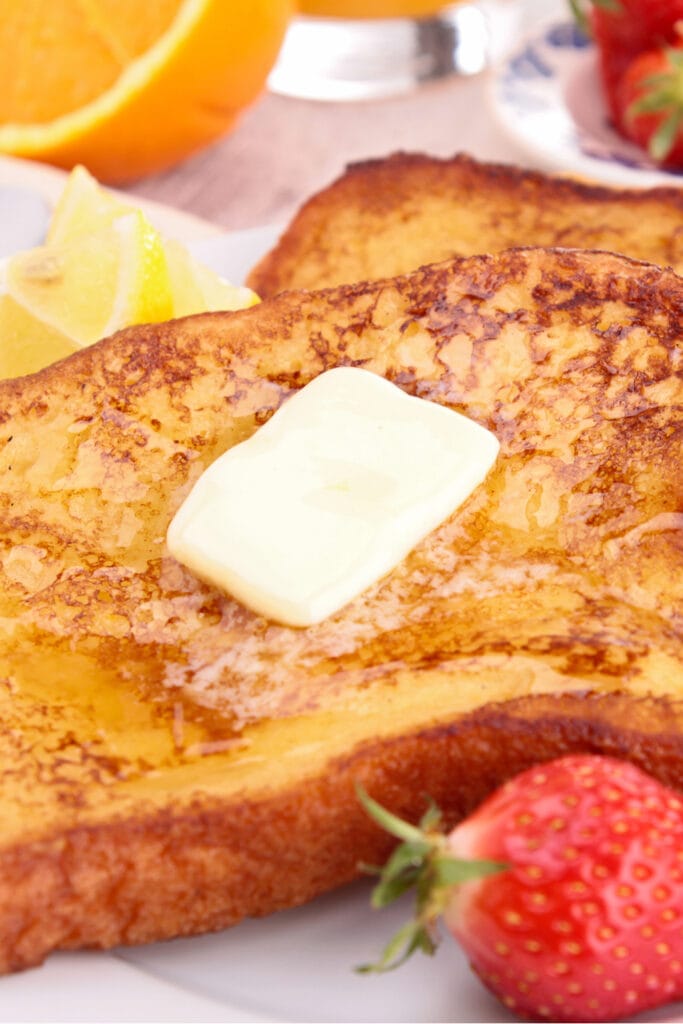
(104, 267)
(84, 206)
(26, 344)
(57, 298)
(197, 289)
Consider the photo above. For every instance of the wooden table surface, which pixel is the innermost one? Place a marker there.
(283, 149)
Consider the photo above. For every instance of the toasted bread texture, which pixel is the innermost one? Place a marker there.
(390, 216)
(172, 762)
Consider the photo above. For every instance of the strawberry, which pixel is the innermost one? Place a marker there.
(635, 25)
(649, 104)
(565, 889)
(624, 28)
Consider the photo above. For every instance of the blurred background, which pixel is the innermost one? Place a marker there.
(286, 147)
(209, 121)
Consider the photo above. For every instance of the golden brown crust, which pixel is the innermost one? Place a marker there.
(389, 216)
(172, 874)
(172, 762)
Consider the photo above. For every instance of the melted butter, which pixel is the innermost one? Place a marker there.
(108, 716)
(330, 495)
(562, 571)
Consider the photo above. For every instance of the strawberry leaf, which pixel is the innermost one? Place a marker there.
(390, 822)
(400, 873)
(451, 871)
(661, 93)
(648, 103)
(579, 16)
(411, 937)
(390, 889)
(424, 863)
(407, 855)
(664, 137)
(431, 819)
(578, 9)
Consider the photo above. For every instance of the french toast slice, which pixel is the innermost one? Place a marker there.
(172, 762)
(390, 216)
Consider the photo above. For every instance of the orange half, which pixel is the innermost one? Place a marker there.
(128, 88)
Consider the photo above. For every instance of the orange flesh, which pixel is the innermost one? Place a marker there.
(370, 8)
(53, 65)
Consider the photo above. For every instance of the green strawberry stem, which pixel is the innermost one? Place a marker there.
(662, 94)
(424, 863)
(578, 9)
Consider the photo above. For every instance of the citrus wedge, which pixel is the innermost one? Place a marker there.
(197, 289)
(27, 344)
(84, 206)
(104, 267)
(128, 88)
(56, 298)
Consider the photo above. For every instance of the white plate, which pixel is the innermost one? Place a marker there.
(547, 98)
(293, 966)
(45, 184)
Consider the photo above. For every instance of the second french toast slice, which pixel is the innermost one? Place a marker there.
(390, 216)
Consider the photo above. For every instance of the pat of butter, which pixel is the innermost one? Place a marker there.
(329, 495)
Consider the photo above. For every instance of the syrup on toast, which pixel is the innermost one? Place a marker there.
(171, 762)
(390, 216)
